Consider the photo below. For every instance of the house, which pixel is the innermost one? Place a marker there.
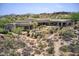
(9, 27)
(60, 22)
(28, 24)
(43, 22)
(55, 22)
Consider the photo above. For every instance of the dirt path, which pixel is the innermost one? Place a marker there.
(56, 48)
(57, 44)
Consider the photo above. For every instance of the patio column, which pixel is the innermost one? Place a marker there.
(57, 23)
(61, 24)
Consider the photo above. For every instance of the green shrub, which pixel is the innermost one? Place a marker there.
(4, 21)
(3, 31)
(74, 48)
(9, 33)
(64, 49)
(17, 30)
(50, 50)
(75, 16)
(70, 48)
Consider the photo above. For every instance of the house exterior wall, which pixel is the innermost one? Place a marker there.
(10, 27)
(60, 23)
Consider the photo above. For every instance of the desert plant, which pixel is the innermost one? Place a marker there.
(67, 34)
(64, 49)
(9, 46)
(75, 17)
(3, 31)
(17, 30)
(50, 50)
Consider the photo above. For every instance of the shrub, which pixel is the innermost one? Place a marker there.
(64, 49)
(74, 48)
(50, 50)
(70, 48)
(67, 34)
(4, 21)
(9, 46)
(75, 17)
(17, 30)
(3, 31)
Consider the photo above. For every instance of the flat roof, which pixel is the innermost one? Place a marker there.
(41, 20)
(60, 20)
(25, 21)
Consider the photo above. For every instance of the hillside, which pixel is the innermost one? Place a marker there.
(55, 15)
(41, 40)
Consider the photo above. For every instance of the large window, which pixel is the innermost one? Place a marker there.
(54, 23)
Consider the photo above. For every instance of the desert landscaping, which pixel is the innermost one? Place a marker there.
(30, 35)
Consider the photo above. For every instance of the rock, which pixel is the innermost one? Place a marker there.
(1, 36)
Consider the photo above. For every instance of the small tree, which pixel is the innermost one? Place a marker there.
(75, 17)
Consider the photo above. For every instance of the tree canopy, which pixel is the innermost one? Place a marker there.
(75, 16)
